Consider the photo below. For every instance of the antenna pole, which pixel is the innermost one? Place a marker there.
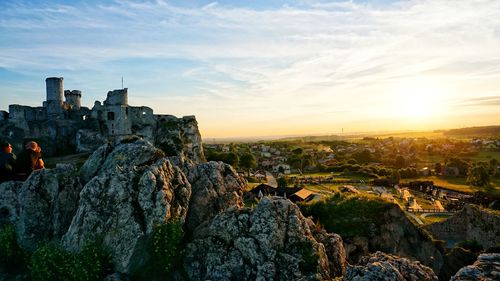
(122, 82)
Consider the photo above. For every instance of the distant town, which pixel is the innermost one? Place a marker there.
(433, 174)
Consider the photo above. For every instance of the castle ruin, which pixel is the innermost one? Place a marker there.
(64, 126)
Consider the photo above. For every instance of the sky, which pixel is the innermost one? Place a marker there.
(265, 68)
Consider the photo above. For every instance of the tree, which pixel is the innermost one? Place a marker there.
(400, 162)
(231, 158)
(362, 157)
(478, 175)
(438, 169)
(247, 161)
(395, 176)
(282, 182)
(494, 166)
(297, 151)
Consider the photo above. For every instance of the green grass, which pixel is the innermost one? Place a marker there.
(486, 156)
(434, 218)
(459, 184)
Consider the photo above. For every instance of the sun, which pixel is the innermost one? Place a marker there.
(418, 99)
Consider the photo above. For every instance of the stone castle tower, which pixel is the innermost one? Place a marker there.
(54, 101)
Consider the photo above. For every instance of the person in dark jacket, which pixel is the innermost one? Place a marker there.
(29, 160)
(7, 162)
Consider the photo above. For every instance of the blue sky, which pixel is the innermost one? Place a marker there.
(247, 68)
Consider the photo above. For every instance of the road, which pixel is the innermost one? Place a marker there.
(271, 180)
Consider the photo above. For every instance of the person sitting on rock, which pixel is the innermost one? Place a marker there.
(29, 160)
(7, 161)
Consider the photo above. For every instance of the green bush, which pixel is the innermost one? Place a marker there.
(166, 252)
(166, 246)
(12, 256)
(471, 245)
(309, 261)
(51, 262)
(348, 215)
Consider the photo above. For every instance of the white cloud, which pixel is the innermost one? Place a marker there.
(294, 62)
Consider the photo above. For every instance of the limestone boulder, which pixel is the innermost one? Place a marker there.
(134, 189)
(47, 201)
(9, 202)
(216, 187)
(380, 266)
(179, 137)
(486, 268)
(274, 241)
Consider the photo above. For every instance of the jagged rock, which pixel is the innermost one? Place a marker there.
(381, 266)
(9, 202)
(126, 154)
(216, 187)
(471, 223)
(333, 247)
(397, 235)
(180, 137)
(486, 268)
(47, 201)
(135, 188)
(271, 242)
(88, 140)
(94, 163)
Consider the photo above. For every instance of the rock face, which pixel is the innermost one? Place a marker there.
(216, 187)
(397, 235)
(381, 266)
(42, 207)
(134, 188)
(271, 242)
(179, 137)
(472, 223)
(9, 202)
(487, 268)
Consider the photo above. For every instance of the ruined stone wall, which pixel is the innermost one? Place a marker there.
(73, 98)
(4, 116)
(117, 97)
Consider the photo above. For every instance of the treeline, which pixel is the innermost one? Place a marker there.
(474, 131)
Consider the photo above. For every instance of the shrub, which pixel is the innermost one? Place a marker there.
(349, 216)
(12, 256)
(51, 262)
(471, 245)
(166, 253)
(309, 257)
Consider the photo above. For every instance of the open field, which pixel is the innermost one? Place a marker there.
(459, 184)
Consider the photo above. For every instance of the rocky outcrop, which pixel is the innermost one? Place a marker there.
(381, 266)
(42, 207)
(274, 241)
(9, 202)
(179, 137)
(471, 223)
(134, 188)
(399, 236)
(486, 268)
(216, 187)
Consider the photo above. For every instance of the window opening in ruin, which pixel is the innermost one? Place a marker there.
(84, 117)
(111, 116)
(126, 111)
(144, 113)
